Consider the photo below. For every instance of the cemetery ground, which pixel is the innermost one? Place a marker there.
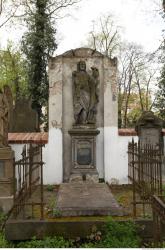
(114, 231)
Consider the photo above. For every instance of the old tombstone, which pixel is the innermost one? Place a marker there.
(149, 129)
(22, 112)
(82, 115)
(6, 155)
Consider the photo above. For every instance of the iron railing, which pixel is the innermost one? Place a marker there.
(158, 209)
(28, 175)
(145, 172)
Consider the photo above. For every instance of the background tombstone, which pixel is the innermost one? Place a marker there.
(25, 118)
(149, 129)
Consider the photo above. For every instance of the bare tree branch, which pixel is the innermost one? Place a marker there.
(62, 4)
(1, 6)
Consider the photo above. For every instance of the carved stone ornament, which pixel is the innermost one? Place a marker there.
(85, 94)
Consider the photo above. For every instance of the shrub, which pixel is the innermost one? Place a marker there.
(4, 243)
(47, 242)
(50, 188)
(117, 235)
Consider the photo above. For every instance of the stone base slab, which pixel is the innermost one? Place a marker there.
(93, 178)
(87, 199)
(67, 228)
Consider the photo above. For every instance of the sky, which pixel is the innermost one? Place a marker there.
(140, 20)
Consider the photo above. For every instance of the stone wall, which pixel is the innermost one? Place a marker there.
(52, 172)
(117, 174)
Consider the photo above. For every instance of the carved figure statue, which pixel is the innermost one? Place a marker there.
(85, 94)
(4, 118)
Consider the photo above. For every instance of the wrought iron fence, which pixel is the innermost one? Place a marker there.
(145, 172)
(28, 175)
(158, 208)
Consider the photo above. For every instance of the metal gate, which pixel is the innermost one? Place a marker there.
(28, 175)
(145, 172)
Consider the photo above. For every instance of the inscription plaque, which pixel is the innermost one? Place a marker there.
(84, 156)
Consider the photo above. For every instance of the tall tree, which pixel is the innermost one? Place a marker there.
(39, 44)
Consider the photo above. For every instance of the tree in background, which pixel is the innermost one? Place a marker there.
(104, 36)
(160, 100)
(136, 83)
(39, 43)
(13, 71)
(136, 74)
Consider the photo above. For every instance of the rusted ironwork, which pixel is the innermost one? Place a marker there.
(28, 175)
(158, 209)
(145, 172)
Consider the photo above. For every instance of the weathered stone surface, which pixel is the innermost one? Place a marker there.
(6, 203)
(26, 229)
(22, 112)
(149, 129)
(85, 94)
(83, 150)
(61, 112)
(91, 178)
(80, 199)
(6, 178)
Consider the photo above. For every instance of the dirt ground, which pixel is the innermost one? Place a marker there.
(124, 196)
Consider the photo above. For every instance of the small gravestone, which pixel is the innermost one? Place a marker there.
(25, 118)
(149, 129)
(6, 156)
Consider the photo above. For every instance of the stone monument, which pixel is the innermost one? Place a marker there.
(83, 122)
(6, 156)
(83, 131)
(83, 134)
(149, 129)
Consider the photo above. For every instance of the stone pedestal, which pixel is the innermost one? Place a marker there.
(83, 153)
(6, 178)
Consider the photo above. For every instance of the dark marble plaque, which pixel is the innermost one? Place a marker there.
(84, 156)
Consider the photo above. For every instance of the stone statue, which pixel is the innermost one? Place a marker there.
(85, 94)
(4, 120)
